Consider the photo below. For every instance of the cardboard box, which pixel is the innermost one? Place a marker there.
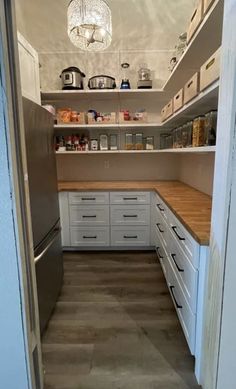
(163, 114)
(169, 109)
(178, 100)
(191, 88)
(195, 20)
(210, 71)
(207, 4)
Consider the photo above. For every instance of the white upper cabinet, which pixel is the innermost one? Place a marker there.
(29, 70)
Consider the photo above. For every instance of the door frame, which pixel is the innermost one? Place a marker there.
(21, 364)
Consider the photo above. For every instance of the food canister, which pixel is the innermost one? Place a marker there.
(149, 142)
(129, 142)
(210, 128)
(198, 131)
(139, 141)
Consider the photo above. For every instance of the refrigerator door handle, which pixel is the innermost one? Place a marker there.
(57, 231)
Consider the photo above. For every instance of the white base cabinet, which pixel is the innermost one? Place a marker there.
(184, 264)
(105, 219)
(133, 220)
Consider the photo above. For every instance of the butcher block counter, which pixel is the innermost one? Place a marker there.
(191, 207)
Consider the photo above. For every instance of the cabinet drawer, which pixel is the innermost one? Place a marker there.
(184, 240)
(161, 254)
(162, 231)
(160, 207)
(185, 272)
(130, 198)
(89, 215)
(186, 316)
(88, 198)
(130, 215)
(89, 236)
(130, 236)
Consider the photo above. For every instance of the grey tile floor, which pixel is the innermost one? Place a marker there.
(115, 327)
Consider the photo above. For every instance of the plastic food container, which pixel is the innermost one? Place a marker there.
(150, 143)
(139, 141)
(113, 142)
(129, 142)
(103, 142)
(198, 131)
(210, 128)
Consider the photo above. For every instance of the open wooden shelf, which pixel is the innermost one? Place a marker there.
(201, 104)
(206, 40)
(204, 149)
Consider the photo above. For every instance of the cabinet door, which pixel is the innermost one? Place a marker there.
(29, 70)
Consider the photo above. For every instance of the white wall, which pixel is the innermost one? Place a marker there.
(197, 171)
(122, 167)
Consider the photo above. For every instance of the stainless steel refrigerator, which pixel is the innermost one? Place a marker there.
(41, 164)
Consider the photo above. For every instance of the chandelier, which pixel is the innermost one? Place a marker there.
(89, 24)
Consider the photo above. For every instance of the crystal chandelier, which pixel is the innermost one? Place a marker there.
(89, 24)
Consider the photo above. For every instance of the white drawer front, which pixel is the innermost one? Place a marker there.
(130, 197)
(185, 240)
(185, 272)
(88, 198)
(130, 215)
(130, 236)
(160, 207)
(162, 231)
(89, 236)
(161, 254)
(89, 215)
(186, 316)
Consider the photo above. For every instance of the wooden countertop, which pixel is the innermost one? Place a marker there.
(191, 207)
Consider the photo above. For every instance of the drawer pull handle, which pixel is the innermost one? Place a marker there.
(130, 198)
(90, 237)
(172, 292)
(174, 228)
(130, 215)
(176, 264)
(88, 198)
(159, 228)
(89, 216)
(130, 236)
(160, 208)
(158, 253)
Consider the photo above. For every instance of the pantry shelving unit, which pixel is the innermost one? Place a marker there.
(202, 103)
(206, 40)
(204, 43)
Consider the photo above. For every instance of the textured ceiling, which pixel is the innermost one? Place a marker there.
(137, 24)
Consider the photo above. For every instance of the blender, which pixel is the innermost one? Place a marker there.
(125, 84)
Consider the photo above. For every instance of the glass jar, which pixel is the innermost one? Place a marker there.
(113, 142)
(129, 142)
(210, 128)
(198, 131)
(163, 141)
(139, 141)
(144, 73)
(150, 143)
(185, 135)
(189, 127)
(103, 142)
(169, 141)
(179, 137)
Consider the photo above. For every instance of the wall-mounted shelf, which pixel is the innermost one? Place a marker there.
(205, 42)
(204, 149)
(106, 94)
(201, 104)
(107, 126)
